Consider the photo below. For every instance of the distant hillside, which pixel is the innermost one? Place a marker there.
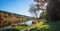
(6, 18)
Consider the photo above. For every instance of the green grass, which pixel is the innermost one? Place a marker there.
(11, 29)
(20, 27)
(17, 28)
(53, 26)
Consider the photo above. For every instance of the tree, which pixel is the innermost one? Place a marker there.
(53, 9)
(33, 10)
(40, 5)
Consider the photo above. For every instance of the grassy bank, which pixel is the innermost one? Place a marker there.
(53, 26)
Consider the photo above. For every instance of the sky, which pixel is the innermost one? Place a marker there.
(16, 6)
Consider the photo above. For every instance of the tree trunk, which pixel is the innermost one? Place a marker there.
(53, 9)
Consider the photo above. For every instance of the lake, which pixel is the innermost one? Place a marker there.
(27, 22)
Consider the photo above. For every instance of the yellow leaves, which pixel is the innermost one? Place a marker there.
(14, 25)
(42, 25)
(22, 18)
(1, 15)
(5, 15)
(43, 20)
(46, 26)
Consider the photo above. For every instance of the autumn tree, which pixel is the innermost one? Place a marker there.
(53, 8)
(40, 5)
(33, 11)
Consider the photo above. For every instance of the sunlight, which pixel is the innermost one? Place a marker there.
(42, 25)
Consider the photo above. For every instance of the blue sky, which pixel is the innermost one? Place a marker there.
(16, 6)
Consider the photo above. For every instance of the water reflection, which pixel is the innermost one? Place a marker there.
(27, 22)
(5, 27)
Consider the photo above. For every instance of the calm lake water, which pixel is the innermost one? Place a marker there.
(28, 23)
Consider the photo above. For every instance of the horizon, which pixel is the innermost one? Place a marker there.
(15, 13)
(16, 6)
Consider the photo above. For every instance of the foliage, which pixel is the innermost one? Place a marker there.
(39, 6)
(33, 11)
(53, 26)
(40, 27)
(20, 27)
(17, 28)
